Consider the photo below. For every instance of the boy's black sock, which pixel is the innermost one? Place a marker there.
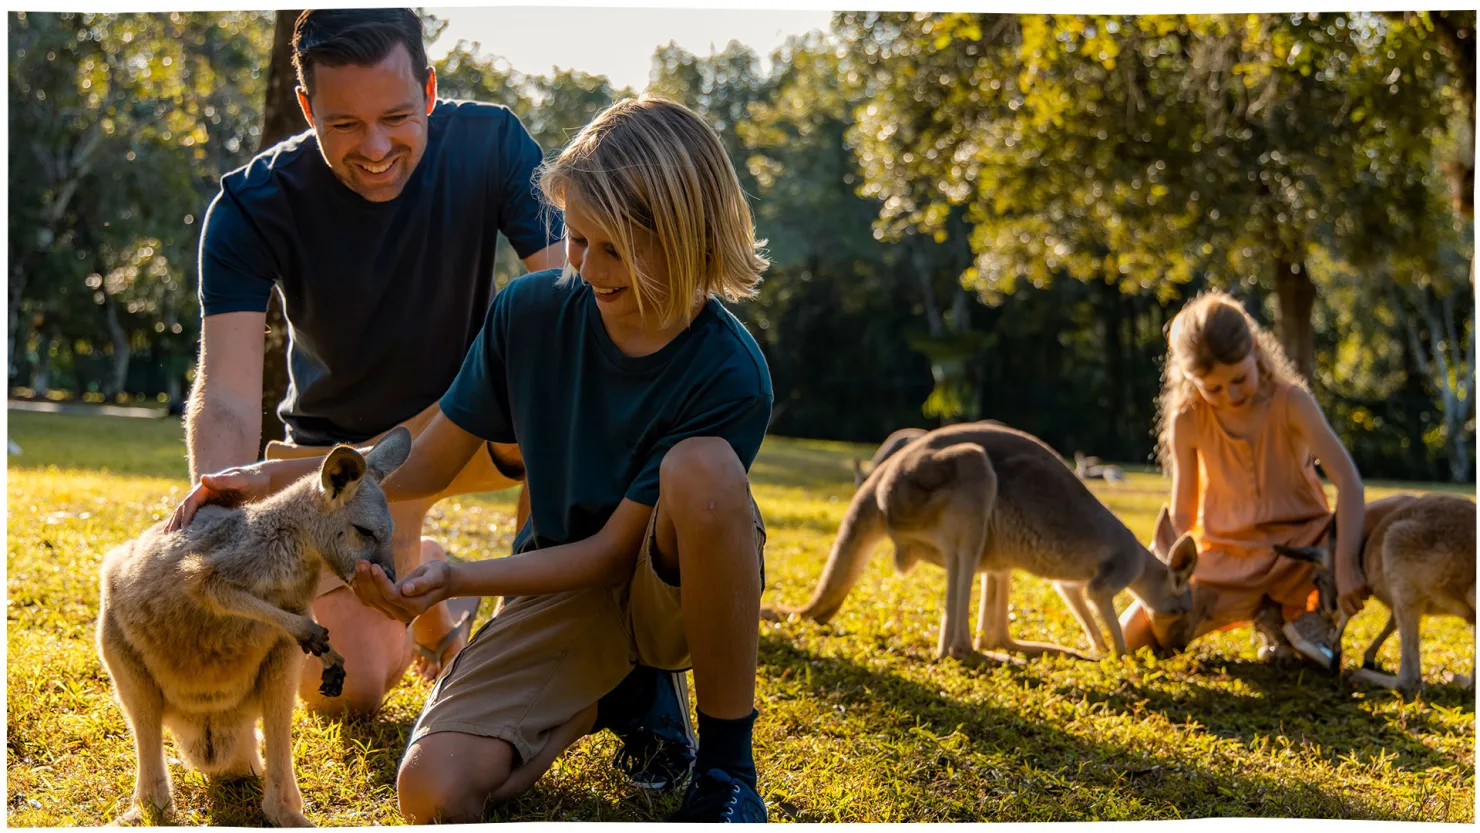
(725, 744)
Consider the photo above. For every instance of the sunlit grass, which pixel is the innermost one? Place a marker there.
(858, 722)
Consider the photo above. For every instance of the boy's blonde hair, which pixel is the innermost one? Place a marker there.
(652, 164)
(1213, 328)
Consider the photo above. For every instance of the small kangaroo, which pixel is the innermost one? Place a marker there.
(199, 628)
(985, 498)
(1418, 557)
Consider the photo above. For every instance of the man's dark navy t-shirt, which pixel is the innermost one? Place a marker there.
(593, 424)
(382, 299)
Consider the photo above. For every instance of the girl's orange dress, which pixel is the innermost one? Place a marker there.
(1255, 493)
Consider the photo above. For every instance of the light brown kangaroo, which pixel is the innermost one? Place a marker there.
(891, 445)
(200, 628)
(1418, 557)
(985, 498)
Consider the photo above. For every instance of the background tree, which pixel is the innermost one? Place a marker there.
(968, 216)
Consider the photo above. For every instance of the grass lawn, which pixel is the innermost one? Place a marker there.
(858, 722)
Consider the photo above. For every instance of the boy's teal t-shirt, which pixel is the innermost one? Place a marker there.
(592, 424)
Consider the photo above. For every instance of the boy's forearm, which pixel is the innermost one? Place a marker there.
(437, 455)
(413, 483)
(540, 572)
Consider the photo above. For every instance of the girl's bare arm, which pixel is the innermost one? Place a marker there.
(1309, 423)
(1185, 476)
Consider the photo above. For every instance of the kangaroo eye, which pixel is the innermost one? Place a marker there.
(365, 532)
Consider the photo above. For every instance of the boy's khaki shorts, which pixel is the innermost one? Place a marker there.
(544, 659)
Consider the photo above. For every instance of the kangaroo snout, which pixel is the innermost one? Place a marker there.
(1181, 605)
(386, 563)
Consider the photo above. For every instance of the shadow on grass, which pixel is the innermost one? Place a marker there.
(1296, 701)
(1022, 751)
(804, 464)
(238, 802)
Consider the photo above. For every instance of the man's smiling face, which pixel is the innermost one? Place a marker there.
(371, 122)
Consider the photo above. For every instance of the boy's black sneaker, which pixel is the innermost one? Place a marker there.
(715, 796)
(649, 712)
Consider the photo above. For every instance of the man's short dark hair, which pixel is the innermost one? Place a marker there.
(355, 37)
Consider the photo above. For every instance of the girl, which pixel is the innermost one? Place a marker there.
(638, 402)
(1240, 433)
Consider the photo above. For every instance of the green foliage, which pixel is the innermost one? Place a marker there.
(122, 126)
(968, 216)
(553, 108)
(1154, 152)
(858, 721)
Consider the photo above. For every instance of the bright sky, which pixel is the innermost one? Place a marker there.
(617, 43)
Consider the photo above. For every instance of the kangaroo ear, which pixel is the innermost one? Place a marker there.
(1164, 536)
(390, 453)
(341, 474)
(1183, 559)
(1313, 555)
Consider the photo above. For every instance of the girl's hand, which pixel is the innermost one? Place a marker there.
(229, 487)
(422, 589)
(1351, 590)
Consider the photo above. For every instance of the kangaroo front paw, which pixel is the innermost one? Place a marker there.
(316, 642)
(331, 681)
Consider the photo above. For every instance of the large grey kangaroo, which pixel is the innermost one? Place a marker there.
(200, 628)
(1418, 557)
(985, 498)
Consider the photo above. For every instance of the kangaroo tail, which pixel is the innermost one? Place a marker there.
(858, 535)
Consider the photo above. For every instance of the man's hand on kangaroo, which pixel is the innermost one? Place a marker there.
(229, 487)
(419, 591)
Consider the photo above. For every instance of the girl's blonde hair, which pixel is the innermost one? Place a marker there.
(652, 164)
(1213, 328)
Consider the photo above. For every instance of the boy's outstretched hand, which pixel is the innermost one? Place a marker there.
(229, 487)
(422, 588)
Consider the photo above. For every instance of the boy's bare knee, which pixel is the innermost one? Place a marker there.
(704, 475)
(435, 784)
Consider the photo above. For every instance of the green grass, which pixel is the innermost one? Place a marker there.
(858, 721)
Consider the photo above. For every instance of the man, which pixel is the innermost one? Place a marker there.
(378, 227)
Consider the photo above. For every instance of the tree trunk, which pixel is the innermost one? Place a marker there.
(1297, 298)
(281, 115)
(1414, 392)
(17, 292)
(118, 376)
(281, 118)
(1113, 298)
(41, 373)
(1456, 33)
(924, 274)
(1452, 372)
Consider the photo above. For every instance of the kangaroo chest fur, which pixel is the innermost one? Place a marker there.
(203, 660)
